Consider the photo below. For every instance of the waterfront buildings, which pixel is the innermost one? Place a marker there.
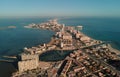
(65, 38)
(90, 58)
(28, 62)
(80, 64)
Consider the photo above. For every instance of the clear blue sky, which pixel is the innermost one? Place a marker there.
(60, 8)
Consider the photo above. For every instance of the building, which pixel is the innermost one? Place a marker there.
(77, 35)
(27, 65)
(85, 39)
(66, 40)
(67, 36)
(28, 62)
(66, 68)
(79, 27)
(29, 57)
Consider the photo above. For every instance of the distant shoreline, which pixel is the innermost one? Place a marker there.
(33, 25)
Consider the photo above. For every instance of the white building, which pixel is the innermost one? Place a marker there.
(27, 65)
(85, 38)
(28, 62)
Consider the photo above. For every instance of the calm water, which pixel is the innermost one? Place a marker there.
(12, 41)
(54, 55)
(106, 29)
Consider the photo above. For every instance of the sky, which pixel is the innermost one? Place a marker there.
(20, 8)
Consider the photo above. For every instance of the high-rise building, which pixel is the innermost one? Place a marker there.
(28, 62)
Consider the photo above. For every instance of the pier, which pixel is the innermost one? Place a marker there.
(9, 59)
(4, 60)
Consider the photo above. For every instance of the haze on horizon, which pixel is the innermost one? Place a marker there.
(21, 8)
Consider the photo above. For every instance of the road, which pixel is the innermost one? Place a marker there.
(101, 61)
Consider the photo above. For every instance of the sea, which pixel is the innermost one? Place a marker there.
(13, 40)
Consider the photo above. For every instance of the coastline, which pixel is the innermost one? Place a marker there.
(109, 44)
(113, 49)
(33, 25)
(69, 38)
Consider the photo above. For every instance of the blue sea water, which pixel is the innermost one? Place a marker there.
(105, 29)
(12, 41)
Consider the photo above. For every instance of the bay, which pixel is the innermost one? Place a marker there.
(13, 40)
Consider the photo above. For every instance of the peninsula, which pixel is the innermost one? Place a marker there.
(89, 57)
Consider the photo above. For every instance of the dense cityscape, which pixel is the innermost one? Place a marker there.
(89, 57)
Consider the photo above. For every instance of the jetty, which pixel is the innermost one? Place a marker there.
(6, 60)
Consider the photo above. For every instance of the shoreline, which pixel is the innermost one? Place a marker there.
(69, 38)
(113, 49)
(53, 30)
(111, 44)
